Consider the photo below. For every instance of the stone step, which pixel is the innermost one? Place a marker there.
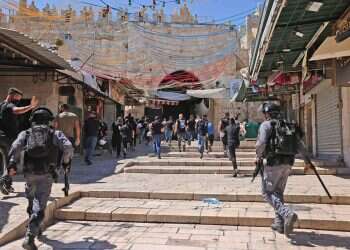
(214, 162)
(311, 216)
(243, 170)
(194, 148)
(223, 197)
(239, 154)
(216, 143)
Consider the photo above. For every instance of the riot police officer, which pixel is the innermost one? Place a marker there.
(41, 145)
(276, 170)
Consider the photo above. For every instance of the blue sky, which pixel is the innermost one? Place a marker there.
(205, 9)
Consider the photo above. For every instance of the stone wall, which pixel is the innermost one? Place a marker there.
(46, 90)
(247, 110)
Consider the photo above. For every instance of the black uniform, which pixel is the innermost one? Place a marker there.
(224, 124)
(116, 138)
(232, 133)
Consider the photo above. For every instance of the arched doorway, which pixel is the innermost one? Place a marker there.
(180, 81)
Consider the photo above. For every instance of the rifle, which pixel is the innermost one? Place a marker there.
(258, 168)
(319, 178)
(66, 169)
(303, 151)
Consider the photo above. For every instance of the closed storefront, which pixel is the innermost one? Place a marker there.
(328, 121)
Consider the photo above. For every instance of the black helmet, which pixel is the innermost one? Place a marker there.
(270, 108)
(41, 115)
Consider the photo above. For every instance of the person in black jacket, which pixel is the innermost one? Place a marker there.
(91, 130)
(224, 122)
(232, 132)
(125, 132)
(157, 131)
(116, 137)
(202, 130)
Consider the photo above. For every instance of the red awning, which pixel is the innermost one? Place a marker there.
(281, 78)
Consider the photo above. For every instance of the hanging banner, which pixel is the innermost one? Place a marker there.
(235, 86)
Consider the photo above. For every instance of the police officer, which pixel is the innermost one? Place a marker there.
(276, 172)
(38, 171)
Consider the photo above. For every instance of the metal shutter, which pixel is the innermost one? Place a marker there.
(328, 122)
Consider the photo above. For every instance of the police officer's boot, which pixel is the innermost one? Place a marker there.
(289, 223)
(28, 242)
(278, 224)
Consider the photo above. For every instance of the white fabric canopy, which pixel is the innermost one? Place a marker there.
(219, 93)
(173, 96)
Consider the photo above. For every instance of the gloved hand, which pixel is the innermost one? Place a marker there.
(67, 166)
(6, 185)
(12, 169)
(307, 167)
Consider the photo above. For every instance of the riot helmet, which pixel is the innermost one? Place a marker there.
(41, 116)
(271, 108)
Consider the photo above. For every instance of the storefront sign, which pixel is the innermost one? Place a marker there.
(343, 28)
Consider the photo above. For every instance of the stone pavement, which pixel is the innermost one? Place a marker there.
(103, 181)
(149, 236)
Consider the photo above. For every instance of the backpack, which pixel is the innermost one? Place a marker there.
(39, 142)
(224, 124)
(283, 141)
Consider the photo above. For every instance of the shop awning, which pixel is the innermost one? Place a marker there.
(27, 47)
(159, 102)
(331, 49)
(172, 96)
(219, 93)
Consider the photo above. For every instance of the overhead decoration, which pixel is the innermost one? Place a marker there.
(151, 56)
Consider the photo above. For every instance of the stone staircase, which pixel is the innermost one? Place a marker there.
(243, 207)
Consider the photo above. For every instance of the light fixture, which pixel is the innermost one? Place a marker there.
(298, 33)
(286, 49)
(314, 6)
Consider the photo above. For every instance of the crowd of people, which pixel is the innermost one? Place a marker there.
(127, 131)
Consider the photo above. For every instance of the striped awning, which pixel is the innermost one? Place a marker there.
(160, 102)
